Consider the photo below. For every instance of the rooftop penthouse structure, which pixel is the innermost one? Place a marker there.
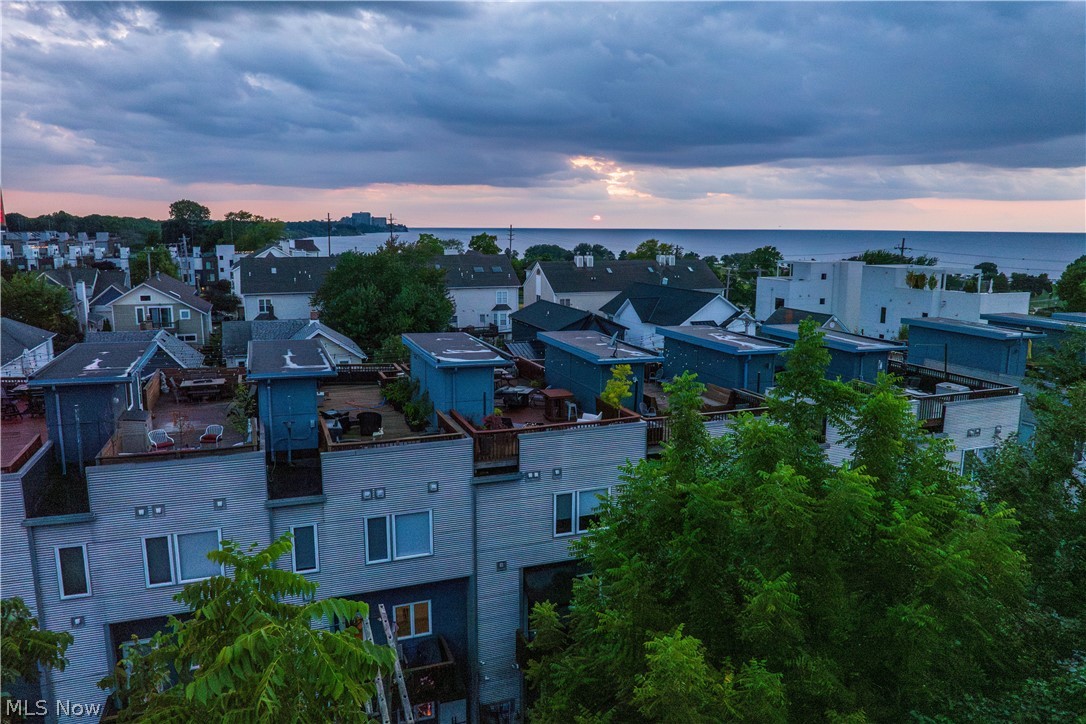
(975, 345)
(852, 357)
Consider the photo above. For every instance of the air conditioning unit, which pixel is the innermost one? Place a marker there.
(950, 388)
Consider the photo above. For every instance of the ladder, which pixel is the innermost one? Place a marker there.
(367, 634)
(401, 684)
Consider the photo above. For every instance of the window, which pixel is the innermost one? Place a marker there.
(191, 551)
(73, 575)
(581, 506)
(501, 319)
(378, 548)
(145, 297)
(412, 619)
(304, 557)
(157, 561)
(501, 297)
(823, 275)
(496, 269)
(412, 535)
(185, 314)
(478, 269)
(482, 319)
(564, 302)
(972, 460)
(821, 300)
(778, 302)
(882, 315)
(264, 305)
(157, 316)
(187, 337)
(923, 314)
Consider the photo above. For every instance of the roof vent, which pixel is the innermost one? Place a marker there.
(273, 270)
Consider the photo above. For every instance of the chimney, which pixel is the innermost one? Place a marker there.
(661, 259)
(158, 275)
(578, 261)
(589, 260)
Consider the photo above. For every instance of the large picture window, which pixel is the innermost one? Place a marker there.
(399, 536)
(578, 510)
(180, 558)
(412, 619)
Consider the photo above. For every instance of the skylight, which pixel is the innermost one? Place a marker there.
(496, 269)
(651, 270)
(609, 270)
(478, 270)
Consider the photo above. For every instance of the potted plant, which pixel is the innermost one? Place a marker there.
(417, 412)
(400, 392)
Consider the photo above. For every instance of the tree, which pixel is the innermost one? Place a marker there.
(246, 654)
(27, 297)
(484, 243)
(1071, 288)
(740, 272)
(26, 648)
(787, 588)
(161, 262)
(597, 250)
(437, 247)
(883, 256)
(371, 297)
(189, 212)
(546, 252)
(651, 248)
(617, 389)
(221, 297)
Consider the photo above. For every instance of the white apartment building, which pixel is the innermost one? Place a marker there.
(872, 299)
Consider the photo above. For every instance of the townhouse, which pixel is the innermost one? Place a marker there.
(483, 287)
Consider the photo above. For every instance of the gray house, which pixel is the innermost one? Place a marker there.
(236, 336)
(483, 287)
(273, 287)
(162, 302)
(23, 348)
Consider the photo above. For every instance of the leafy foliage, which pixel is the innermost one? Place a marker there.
(883, 256)
(651, 248)
(372, 297)
(247, 654)
(599, 251)
(189, 211)
(786, 588)
(161, 263)
(617, 389)
(546, 252)
(1071, 288)
(28, 298)
(484, 243)
(740, 272)
(242, 408)
(24, 646)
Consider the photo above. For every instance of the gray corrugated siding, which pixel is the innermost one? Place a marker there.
(515, 522)
(115, 553)
(18, 575)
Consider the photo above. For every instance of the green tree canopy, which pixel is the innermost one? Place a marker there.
(436, 246)
(884, 256)
(484, 243)
(783, 587)
(189, 211)
(246, 654)
(25, 648)
(597, 250)
(161, 261)
(1071, 288)
(371, 297)
(740, 271)
(28, 298)
(651, 248)
(546, 252)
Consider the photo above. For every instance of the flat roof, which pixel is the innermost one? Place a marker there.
(1015, 319)
(1070, 316)
(598, 348)
(287, 358)
(973, 329)
(732, 343)
(91, 362)
(837, 340)
(455, 349)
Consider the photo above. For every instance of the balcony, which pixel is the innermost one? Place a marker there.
(497, 451)
(933, 388)
(341, 405)
(718, 403)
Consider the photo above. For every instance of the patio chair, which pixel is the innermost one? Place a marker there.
(589, 417)
(160, 440)
(645, 410)
(213, 434)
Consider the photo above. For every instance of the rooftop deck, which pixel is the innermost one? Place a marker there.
(355, 398)
(933, 388)
(20, 438)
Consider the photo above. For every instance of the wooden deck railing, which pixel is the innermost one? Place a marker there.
(658, 430)
(501, 448)
(110, 454)
(450, 433)
(367, 373)
(529, 370)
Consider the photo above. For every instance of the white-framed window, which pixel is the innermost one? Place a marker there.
(73, 571)
(145, 297)
(180, 558)
(158, 564)
(264, 305)
(185, 314)
(576, 510)
(190, 551)
(399, 536)
(412, 619)
(482, 319)
(187, 337)
(564, 301)
(972, 459)
(157, 316)
(501, 319)
(501, 296)
(305, 556)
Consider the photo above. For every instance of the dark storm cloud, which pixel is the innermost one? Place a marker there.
(341, 94)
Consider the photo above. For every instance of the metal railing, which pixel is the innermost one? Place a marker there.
(931, 408)
(328, 445)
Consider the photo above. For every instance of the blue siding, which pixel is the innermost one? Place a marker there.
(1007, 357)
(585, 379)
(292, 401)
(468, 390)
(749, 372)
(99, 407)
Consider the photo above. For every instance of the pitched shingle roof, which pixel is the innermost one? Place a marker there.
(15, 337)
(660, 304)
(176, 288)
(476, 270)
(237, 335)
(283, 275)
(97, 281)
(615, 275)
(550, 317)
(185, 355)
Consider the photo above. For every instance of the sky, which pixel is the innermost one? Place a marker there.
(891, 115)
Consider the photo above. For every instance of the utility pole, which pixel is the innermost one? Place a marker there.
(509, 250)
(728, 284)
(903, 248)
(329, 234)
(391, 222)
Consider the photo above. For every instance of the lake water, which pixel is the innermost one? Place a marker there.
(1011, 251)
